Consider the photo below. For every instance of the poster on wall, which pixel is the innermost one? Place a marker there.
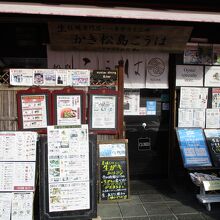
(5, 206)
(213, 141)
(193, 147)
(18, 146)
(212, 118)
(103, 111)
(191, 118)
(212, 76)
(216, 54)
(151, 107)
(21, 77)
(215, 97)
(17, 176)
(62, 77)
(189, 75)
(157, 71)
(191, 97)
(39, 77)
(21, 206)
(79, 77)
(191, 54)
(131, 102)
(68, 179)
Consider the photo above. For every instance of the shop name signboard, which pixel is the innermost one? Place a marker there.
(100, 36)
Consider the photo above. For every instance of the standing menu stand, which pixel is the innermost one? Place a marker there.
(68, 174)
(17, 174)
(195, 156)
(113, 170)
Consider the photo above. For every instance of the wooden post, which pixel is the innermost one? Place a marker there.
(121, 99)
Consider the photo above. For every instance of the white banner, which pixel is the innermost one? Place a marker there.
(136, 65)
(157, 70)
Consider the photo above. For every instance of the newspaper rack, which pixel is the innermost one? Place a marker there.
(205, 198)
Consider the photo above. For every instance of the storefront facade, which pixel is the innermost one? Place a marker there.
(44, 36)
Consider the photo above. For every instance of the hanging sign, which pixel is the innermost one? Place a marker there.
(96, 36)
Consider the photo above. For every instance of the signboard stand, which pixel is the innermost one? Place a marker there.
(87, 214)
(113, 170)
(196, 157)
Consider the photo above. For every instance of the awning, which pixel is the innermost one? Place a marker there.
(108, 12)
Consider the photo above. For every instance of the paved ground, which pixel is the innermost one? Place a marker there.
(157, 200)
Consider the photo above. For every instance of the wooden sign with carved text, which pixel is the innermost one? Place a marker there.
(100, 36)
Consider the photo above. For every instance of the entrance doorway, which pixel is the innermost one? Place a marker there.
(148, 136)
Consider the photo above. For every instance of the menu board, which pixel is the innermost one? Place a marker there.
(113, 170)
(18, 146)
(193, 147)
(113, 179)
(68, 168)
(213, 141)
(34, 111)
(191, 97)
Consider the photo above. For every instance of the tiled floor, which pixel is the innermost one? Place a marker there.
(157, 200)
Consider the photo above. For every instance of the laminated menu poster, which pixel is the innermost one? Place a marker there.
(21, 207)
(16, 206)
(193, 147)
(5, 206)
(68, 109)
(18, 146)
(215, 97)
(34, 111)
(68, 168)
(212, 118)
(17, 176)
(212, 76)
(191, 97)
(79, 77)
(213, 141)
(21, 77)
(104, 111)
(191, 117)
(44, 77)
(131, 102)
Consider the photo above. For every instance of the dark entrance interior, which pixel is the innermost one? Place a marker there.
(148, 137)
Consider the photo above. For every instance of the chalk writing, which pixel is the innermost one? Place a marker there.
(113, 179)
